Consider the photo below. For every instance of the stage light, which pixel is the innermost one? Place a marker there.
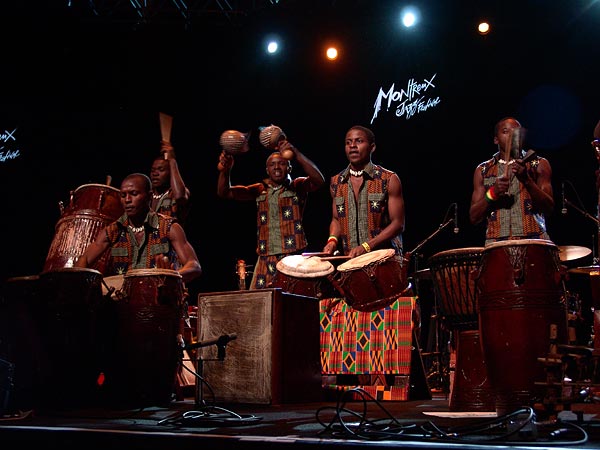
(331, 53)
(272, 47)
(409, 16)
(483, 28)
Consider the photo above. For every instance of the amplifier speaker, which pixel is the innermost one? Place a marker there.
(275, 356)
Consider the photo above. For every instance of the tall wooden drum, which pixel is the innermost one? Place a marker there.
(91, 208)
(521, 316)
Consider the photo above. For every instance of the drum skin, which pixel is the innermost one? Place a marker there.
(91, 208)
(305, 276)
(373, 280)
(150, 311)
(522, 315)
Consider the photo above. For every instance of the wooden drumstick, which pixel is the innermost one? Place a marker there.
(108, 180)
(166, 124)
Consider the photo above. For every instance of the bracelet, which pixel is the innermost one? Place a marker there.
(332, 238)
(490, 195)
(366, 246)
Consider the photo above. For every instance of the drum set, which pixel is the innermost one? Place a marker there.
(512, 322)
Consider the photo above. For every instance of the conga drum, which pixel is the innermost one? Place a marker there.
(308, 276)
(71, 309)
(454, 273)
(91, 208)
(522, 315)
(150, 312)
(373, 280)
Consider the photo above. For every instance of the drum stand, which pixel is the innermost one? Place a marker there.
(438, 374)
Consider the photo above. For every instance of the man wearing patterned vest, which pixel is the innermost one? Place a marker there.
(280, 202)
(511, 192)
(369, 349)
(142, 238)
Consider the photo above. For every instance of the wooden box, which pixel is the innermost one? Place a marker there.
(275, 357)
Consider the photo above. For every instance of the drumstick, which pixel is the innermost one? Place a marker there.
(108, 180)
(333, 258)
(315, 254)
(166, 123)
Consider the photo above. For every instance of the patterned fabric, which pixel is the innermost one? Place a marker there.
(168, 207)
(514, 216)
(368, 221)
(279, 219)
(125, 252)
(264, 271)
(279, 227)
(376, 343)
(366, 342)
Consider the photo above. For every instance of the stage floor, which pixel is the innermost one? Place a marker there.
(357, 423)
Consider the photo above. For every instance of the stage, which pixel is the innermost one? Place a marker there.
(356, 424)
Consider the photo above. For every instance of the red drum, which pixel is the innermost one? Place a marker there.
(522, 315)
(308, 276)
(72, 323)
(150, 312)
(373, 280)
(454, 273)
(91, 208)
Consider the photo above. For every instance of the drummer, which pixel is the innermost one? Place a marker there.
(368, 204)
(511, 191)
(277, 197)
(170, 195)
(142, 238)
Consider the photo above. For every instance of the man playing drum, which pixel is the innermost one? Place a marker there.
(142, 238)
(367, 218)
(521, 313)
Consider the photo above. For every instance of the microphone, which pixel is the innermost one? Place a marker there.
(221, 341)
(564, 204)
(456, 229)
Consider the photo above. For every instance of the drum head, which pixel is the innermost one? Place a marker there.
(458, 252)
(367, 258)
(515, 242)
(152, 273)
(304, 267)
(97, 186)
(71, 270)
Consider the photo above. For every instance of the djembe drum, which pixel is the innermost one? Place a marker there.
(454, 273)
(308, 276)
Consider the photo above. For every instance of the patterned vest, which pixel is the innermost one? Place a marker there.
(125, 252)
(279, 219)
(514, 216)
(362, 221)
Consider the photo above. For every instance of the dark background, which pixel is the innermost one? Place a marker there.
(84, 90)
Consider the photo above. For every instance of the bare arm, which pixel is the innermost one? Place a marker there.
(397, 218)
(334, 227)
(190, 266)
(315, 177)
(479, 204)
(224, 187)
(540, 189)
(94, 251)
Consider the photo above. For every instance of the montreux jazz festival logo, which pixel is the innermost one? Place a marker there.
(7, 141)
(418, 97)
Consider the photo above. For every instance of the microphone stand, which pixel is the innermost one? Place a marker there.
(432, 235)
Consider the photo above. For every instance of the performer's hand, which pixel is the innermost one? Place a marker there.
(329, 248)
(162, 262)
(225, 161)
(501, 185)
